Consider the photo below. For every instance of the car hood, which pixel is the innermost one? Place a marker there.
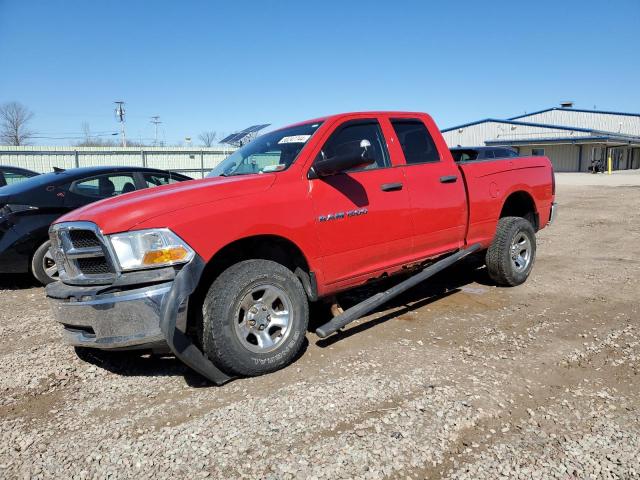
(124, 212)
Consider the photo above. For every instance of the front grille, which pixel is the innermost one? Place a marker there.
(83, 239)
(93, 266)
(81, 254)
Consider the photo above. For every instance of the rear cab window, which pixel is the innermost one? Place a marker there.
(416, 141)
(466, 155)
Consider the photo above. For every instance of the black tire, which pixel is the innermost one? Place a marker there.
(503, 268)
(227, 335)
(40, 262)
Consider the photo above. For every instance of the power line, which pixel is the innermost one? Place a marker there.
(93, 134)
(75, 138)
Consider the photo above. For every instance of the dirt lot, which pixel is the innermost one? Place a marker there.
(457, 379)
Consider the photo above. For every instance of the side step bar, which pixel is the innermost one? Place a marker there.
(378, 299)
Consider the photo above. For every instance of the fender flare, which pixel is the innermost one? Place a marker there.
(173, 321)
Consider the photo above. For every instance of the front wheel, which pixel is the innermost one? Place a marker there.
(255, 317)
(512, 253)
(43, 266)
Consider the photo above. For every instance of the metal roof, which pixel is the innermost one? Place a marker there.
(513, 122)
(575, 110)
(541, 141)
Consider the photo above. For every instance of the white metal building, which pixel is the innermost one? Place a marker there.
(571, 138)
(194, 162)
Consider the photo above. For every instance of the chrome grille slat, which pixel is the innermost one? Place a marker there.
(82, 253)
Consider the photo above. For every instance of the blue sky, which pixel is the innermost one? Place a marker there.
(213, 65)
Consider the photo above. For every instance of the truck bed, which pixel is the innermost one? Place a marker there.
(488, 180)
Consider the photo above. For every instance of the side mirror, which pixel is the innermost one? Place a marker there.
(340, 163)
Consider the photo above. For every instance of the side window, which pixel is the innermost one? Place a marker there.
(104, 186)
(13, 177)
(488, 154)
(157, 179)
(415, 140)
(346, 140)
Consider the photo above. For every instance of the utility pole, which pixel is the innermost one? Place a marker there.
(156, 121)
(120, 117)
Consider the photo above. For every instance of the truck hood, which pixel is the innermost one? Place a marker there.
(124, 212)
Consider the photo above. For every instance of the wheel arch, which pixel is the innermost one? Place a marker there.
(520, 203)
(266, 247)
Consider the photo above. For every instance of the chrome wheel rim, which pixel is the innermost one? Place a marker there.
(49, 265)
(520, 252)
(263, 318)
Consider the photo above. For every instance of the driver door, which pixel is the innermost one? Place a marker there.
(362, 215)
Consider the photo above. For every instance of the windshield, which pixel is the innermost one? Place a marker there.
(271, 152)
(32, 182)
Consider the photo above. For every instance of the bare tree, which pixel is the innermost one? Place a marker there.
(14, 118)
(86, 131)
(208, 138)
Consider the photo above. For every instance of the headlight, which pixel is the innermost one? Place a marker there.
(149, 248)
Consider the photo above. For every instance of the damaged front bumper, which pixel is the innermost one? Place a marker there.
(121, 316)
(127, 319)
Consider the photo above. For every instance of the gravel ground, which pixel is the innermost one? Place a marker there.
(456, 379)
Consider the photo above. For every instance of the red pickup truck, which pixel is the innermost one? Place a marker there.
(222, 270)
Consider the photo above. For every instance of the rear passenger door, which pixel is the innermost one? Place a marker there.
(436, 190)
(361, 216)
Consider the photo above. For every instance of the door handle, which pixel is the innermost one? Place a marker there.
(449, 179)
(391, 187)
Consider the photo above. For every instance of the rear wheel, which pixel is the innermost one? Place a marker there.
(43, 266)
(512, 253)
(255, 316)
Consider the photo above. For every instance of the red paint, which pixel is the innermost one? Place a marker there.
(424, 219)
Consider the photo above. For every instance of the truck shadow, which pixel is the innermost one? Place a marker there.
(137, 363)
(18, 281)
(442, 285)
(145, 364)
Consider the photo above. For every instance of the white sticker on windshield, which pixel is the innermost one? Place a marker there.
(273, 168)
(295, 139)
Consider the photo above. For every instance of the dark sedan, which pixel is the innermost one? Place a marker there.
(10, 175)
(27, 209)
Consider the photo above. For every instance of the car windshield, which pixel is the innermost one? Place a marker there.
(271, 152)
(32, 182)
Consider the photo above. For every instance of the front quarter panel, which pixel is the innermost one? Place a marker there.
(284, 210)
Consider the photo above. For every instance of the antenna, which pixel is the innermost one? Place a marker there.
(120, 116)
(156, 121)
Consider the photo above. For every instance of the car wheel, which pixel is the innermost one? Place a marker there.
(43, 266)
(255, 317)
(512, 253)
